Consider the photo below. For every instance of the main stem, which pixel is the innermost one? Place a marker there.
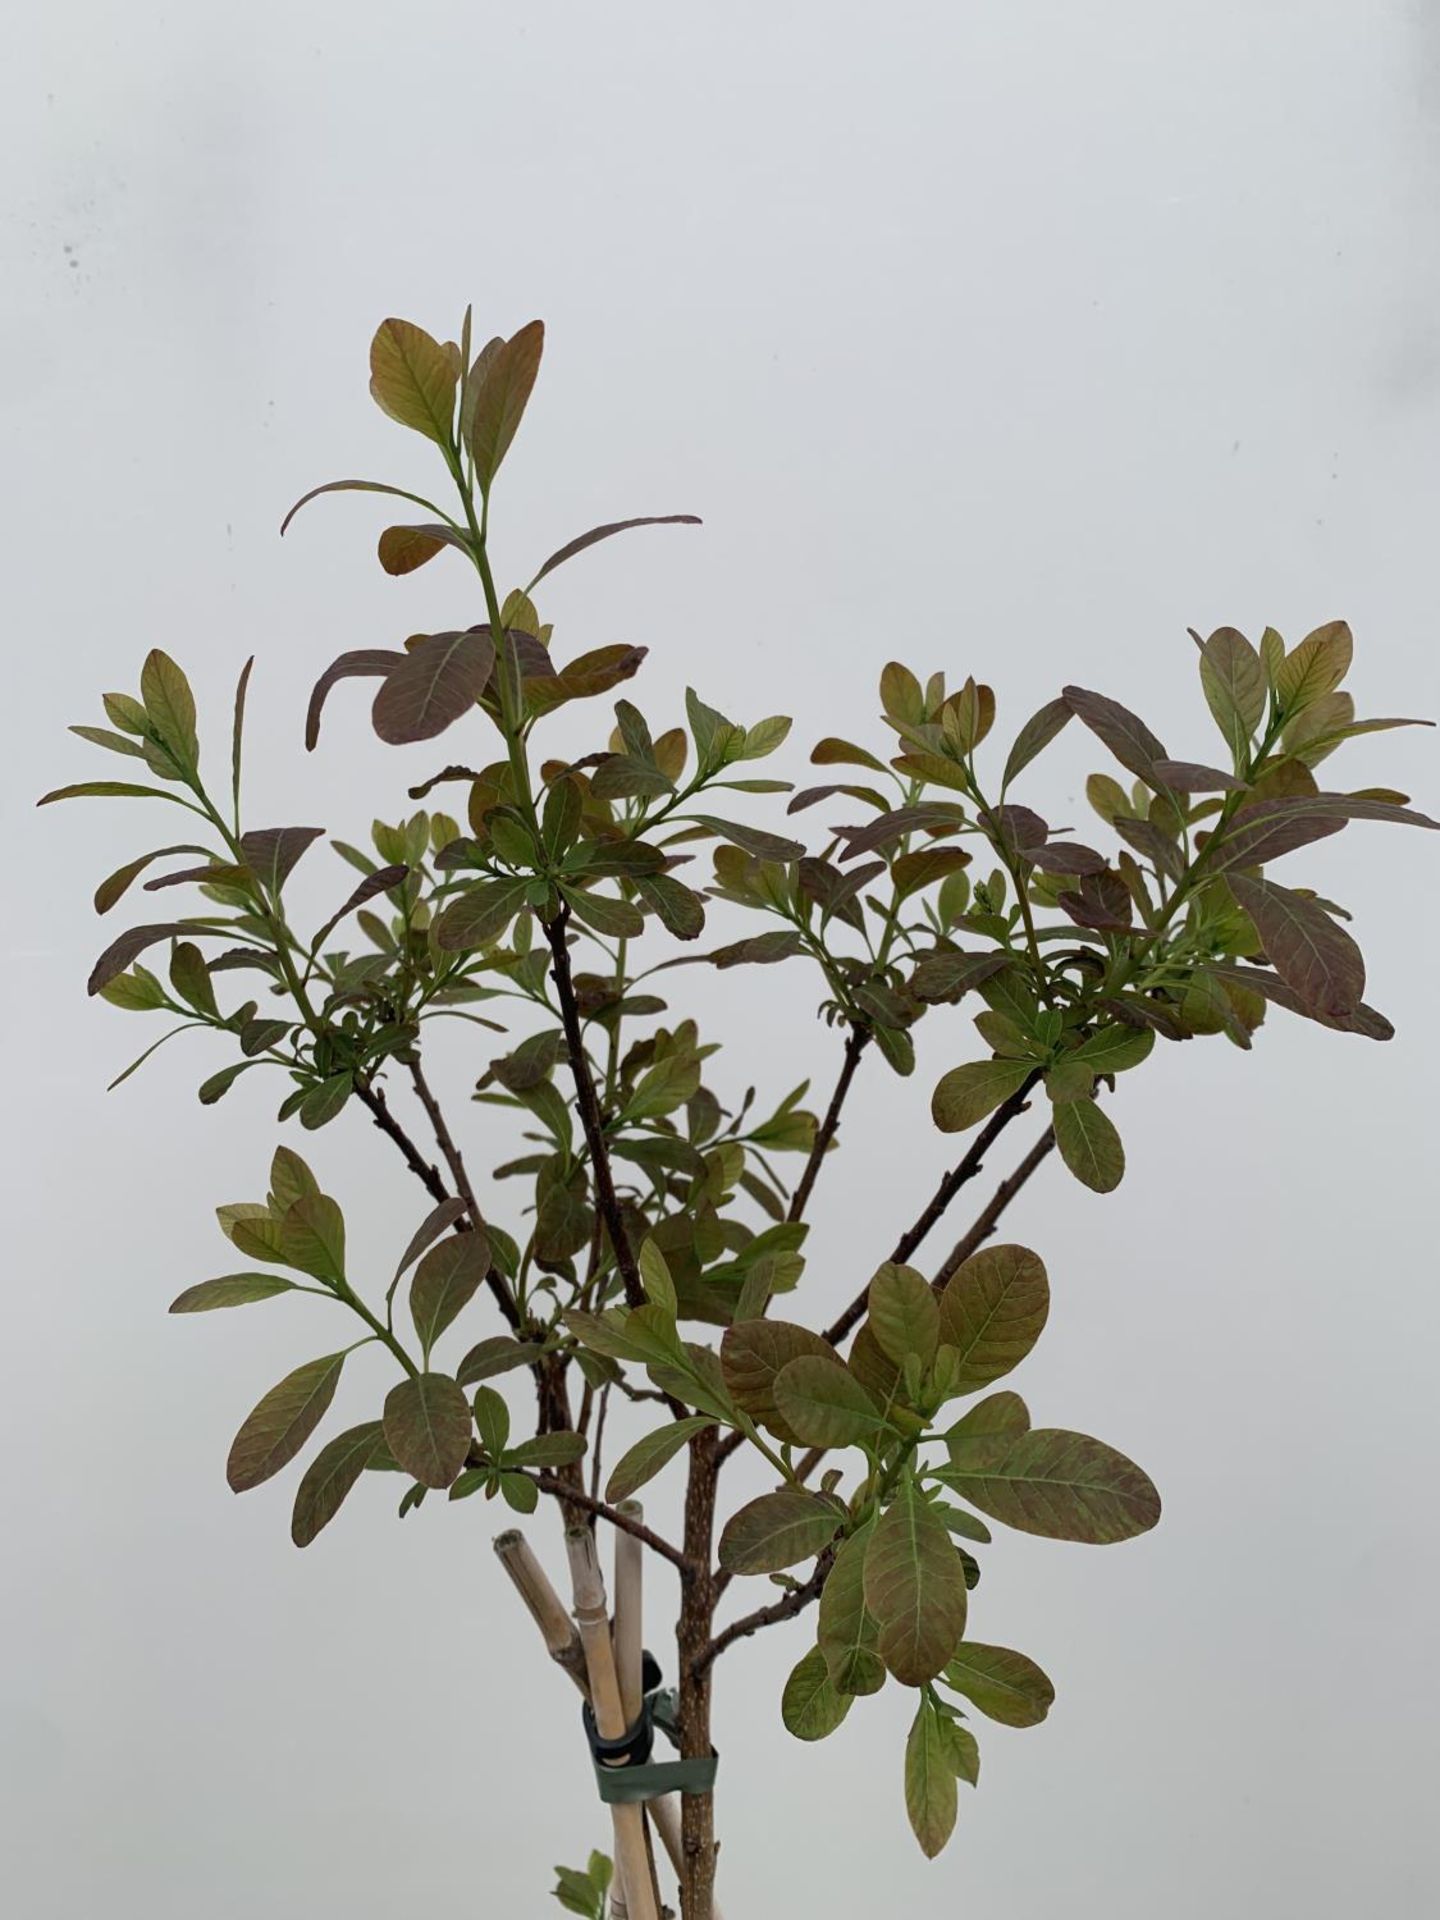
(697, 1614)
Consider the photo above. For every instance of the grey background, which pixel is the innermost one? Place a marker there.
(1008, 338)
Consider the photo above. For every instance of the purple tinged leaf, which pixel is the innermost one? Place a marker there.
(496, 398)
(776, 1531)
(366, 663)
(1365, 1020)
(432, 685)
(282, 1422)
(119, 954)
(428, 1427)
(1312, 955)
(1066, 857)
(1033, 738)
(413, 379)
(764, 846)
(271, 852)
(915, 1588)
(445, 1282)
(1062, 1486)
(403, 549)
(379, 882)
(1158, 848)
(118, 883)
(354, 486)
(1188, 776)
(761, 949)
(1126, 735)
(329, 1478)
(596, 534)
(1102, 901)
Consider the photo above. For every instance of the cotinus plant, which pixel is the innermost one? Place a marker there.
(655, 1250)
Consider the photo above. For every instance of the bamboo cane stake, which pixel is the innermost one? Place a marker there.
(629, 1615)
(547, 1610)
(592, 1616)
(545, 1606)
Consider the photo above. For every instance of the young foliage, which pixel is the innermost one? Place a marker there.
(655, 1248)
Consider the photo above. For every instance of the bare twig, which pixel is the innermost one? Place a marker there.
(855, 1042)
(588, 1106)
(795, 1601)
(959, 1176)
(986, 1220)
(552, 1484)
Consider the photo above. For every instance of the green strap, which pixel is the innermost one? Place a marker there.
(620, 1785)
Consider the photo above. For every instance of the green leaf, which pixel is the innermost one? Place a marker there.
(548, 1450)
(822, 1402)
(931, 1797)
(1089, 1145)
(220, 1083)
(105, 790)
(313, 1237)
(437, 681)
(992, 1312)
(137, 992)
(232, 1290)
(1005, 1686)
(966, 1094)
(752, 1353)
(1315, 667)
(445, 1282)
(322, 1103)
(1233, 680)
(596, 534)
(810, 1706)
(659, 1286)
(678, 908)
(329, 1477)
(290, 1179)
(190, 977)
(492, 1418)
(648, 1455)
(500, 398)
(519, 1492)
(427, 1427)
(413, 379)
(777, 1531)
(497, 1353)
(170, 706)
(1064, 1486)
(282, 1422)
(479, 915)
(904, 1314)
(615, 919)
(983, 1436)
(1115, 1049)
(847, 1629)
(915, 1587)
(764, 846)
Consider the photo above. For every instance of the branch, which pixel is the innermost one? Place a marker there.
(855, 1042)
(374, 1098)
(959, 1176)
(573, 1497)
(985, 1222)
(795, 1601)
(589, 1109)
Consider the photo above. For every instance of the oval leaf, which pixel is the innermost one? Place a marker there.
(915, 1587)
(445, 1282)
(427, 1427)
(810, 1706)
(329, 1477)
(645, 1459)
(992, 1312)
(776, 1531)
(1064, 1486)
(1005, 1686)
(231, 1290)
(282, 1422)
(436, 682)
(822, 1402)
(1089, 1145)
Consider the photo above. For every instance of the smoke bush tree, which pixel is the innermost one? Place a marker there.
(656, 1251)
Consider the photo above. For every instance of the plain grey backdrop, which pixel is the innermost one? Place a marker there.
(1011, 339)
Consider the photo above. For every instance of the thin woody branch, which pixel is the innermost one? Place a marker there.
(572, 1496)
(855, 1043)
(795, 1601)
(987, 1219)
(959, 1176)
(588, 1106)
